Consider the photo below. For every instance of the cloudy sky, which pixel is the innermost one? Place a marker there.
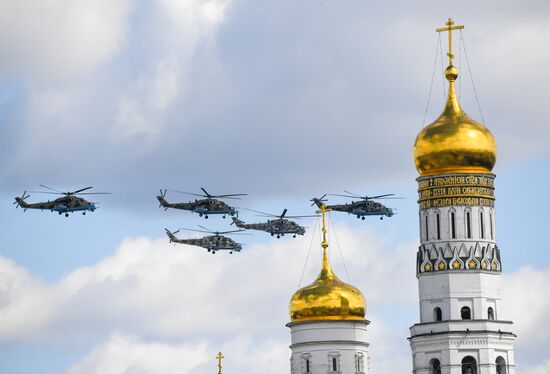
(283, 100)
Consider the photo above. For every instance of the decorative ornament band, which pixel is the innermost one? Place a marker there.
(456, 189)
(478, 257)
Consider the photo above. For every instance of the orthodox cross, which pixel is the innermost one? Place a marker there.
(324, 211)
(220, 357)
(450, 29)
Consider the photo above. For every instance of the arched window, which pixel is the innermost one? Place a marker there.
(453, 225)
(435, 366)
(490, 313)
(437, 314)
(438, 226)
(469, 365)
(308, 366)
(468, 225)
(465, 313)
(427, 232)
(481, 225)
(501, 365)
(491, 225)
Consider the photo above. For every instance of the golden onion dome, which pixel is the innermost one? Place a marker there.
(454, 143)
(327, 298)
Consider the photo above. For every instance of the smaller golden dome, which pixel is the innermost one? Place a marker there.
(454, 143)
(327, 298)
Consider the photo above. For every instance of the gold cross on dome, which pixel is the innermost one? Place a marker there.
(450, 27)
(220, 357)
(324, 211)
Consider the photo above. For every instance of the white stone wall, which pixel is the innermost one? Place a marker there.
(452, 290)
(322, 341)
(461, 232)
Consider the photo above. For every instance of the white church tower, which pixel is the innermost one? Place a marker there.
(328, 325)
(458, 262)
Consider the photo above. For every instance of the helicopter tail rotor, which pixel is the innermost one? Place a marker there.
(318, 201)
(162, 201)
(20, 201)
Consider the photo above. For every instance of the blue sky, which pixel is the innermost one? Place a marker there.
(284, 101)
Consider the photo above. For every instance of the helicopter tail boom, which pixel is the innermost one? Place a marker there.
(237, 222)
(20, 202)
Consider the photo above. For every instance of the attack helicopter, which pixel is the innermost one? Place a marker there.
(360, 208)
(212, 243)
(279, 226)
(210, 204)
(70, 201)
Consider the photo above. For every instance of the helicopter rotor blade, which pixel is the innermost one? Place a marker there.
(203, 231)
(189, 193)
(229, 196)
(206, 193)
(264, 213)
(381, 196)
(351, 193)
(53, 189)
(348, 196)
(284, 213)
(92, 193)
(78, 191)
(49, 193)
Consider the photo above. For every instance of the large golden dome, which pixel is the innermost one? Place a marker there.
(454, 143)
(327, 298)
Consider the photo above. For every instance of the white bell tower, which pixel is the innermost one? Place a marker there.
(328, 325)
(458, 262)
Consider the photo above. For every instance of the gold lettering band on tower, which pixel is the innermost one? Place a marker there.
(460, 189)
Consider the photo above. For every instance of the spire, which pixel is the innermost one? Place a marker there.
(326, 271)
(220, 357)
(452, 107)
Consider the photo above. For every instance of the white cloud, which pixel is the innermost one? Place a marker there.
(173, 295)
(526, 303)
(128, 355)
(60, 37)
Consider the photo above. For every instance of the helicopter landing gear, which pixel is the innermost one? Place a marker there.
(209, 250)
(363, 218)
(294, 235)
(83, 213)
(278, 236)
(231, 252)
(223, 216)
(358, 216)
(206, 217)
(381, 217)
(66, 214)
(272, 234)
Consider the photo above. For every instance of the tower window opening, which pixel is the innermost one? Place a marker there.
(427, 238)
(490, 313)
(468, 226)
(334, 364)
(359, 365)
(435, 366)
(491, 225)
(438, 226)
(437, 314)
(465, 312)
(501, 365)
(307, 366)
(481, 225)
(469, 365)
(453, 230)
